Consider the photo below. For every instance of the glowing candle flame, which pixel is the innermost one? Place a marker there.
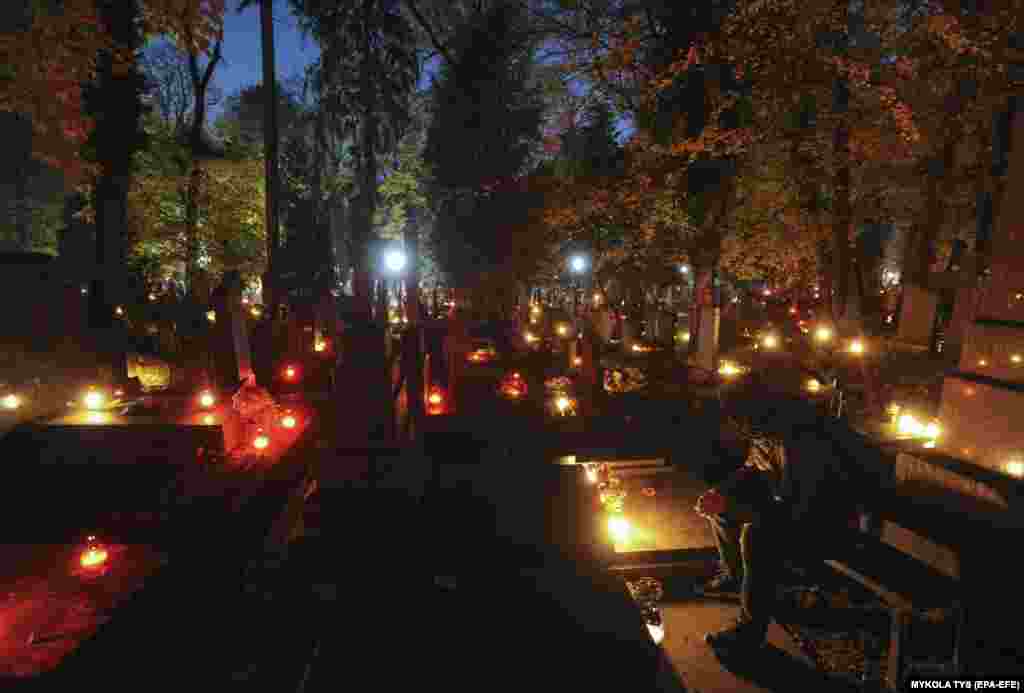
(93, 399)
(619, 528)
(93, 557)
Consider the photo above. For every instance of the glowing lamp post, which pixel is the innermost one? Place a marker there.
(394, 261)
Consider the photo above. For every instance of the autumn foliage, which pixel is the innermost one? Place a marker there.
(44, 64)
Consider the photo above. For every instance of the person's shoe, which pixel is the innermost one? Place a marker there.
(722, 583)
(744, 636)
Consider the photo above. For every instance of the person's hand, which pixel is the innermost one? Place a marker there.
(711, 502)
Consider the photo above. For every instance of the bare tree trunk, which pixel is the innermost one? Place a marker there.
(414, 372)
(200, 83)
(271, 295)
(842, 217)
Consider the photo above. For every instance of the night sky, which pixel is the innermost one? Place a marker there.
(242, 56)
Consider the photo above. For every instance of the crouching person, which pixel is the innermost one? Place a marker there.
(791, 498)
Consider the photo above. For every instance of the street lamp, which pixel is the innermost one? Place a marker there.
(394, 261)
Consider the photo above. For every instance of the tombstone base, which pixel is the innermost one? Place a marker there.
(917, 316)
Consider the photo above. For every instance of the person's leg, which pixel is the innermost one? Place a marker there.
(726, 531)
(761, 563)
(761, 560)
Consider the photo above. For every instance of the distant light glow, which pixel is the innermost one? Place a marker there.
(857, 347)
(1015, 467)
(261, 442)
(813, 385)
(152, 297)
(93, 557)
(319, 345)
(97, 417)
(289, 421)
(823, 334)
(728, 369)
(578, 263)
(255, 311)
(206, 399)
(619, 529)
(577, 361)
(770, 341)
(208, 420)
(93, 399)
(563, 330)
(684, 269)
(394, 260)
(982, 363)
(211, 315)
(119, 311)
(435, 398)
(290, 372)
(1016, 358)
(11, 402)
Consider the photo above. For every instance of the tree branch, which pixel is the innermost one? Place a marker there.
(422, 21)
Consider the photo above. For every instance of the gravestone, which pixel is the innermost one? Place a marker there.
(603, 323)
(983, 399)
(232, 359)
(707, 338)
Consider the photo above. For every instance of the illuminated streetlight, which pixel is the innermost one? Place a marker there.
(394, 260)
